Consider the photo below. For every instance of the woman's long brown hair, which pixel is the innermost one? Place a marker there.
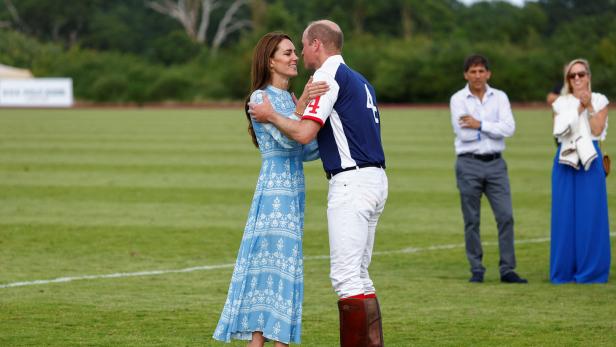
(260, 74)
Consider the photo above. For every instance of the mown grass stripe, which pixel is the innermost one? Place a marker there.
(408, 250)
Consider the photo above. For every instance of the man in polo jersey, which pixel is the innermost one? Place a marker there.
(346, 123)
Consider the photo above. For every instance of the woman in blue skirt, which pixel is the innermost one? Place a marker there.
(580, 235)
(265, 296)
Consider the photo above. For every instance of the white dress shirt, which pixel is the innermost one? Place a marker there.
(494, 113)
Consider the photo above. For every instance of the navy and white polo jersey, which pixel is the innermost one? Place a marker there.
(350, 121)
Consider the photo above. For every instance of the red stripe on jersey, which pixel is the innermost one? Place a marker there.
(316, 119)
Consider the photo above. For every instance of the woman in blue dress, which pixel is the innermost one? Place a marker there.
(580, 235)
(265, 296)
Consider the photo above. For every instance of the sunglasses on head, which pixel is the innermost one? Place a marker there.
(580, 74)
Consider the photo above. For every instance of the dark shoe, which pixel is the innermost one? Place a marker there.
(512, 277)
(476, 278)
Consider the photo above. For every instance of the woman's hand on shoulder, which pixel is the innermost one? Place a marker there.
(315, 89)
(311, 91)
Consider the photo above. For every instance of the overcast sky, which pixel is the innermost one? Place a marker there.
(515, 2)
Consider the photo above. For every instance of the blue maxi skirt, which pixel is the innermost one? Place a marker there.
(580, 233)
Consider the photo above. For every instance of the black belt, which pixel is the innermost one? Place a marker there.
(482, 157)
(332, 173)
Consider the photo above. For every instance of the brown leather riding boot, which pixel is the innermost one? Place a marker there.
(375, 328)
(353, 327)
(360, 322)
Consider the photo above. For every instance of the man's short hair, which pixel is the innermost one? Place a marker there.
(328, 33)
(476, 59)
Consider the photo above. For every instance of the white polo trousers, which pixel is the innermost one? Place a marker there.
(355, 202)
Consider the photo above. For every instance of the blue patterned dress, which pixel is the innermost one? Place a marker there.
(267, 285)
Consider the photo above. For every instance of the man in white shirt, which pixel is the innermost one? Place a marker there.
(481, 117)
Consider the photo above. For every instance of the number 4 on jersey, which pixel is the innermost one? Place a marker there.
(314, 105)
(370, 104)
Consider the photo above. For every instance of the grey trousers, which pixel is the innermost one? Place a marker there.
(474, 178)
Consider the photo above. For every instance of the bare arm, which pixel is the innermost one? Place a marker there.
(551, 97)
(597, 122)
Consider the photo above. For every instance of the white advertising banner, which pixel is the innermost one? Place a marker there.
(36, 92)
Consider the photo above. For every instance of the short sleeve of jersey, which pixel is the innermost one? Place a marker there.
(321, 107)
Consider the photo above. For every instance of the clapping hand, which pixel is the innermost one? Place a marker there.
(584, 97)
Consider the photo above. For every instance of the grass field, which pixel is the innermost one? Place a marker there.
(99, 192)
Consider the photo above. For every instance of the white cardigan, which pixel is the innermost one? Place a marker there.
(573, 130)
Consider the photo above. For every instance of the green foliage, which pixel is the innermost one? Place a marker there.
(110, 77)
(420, 70)
(398, 69)
(113, 87)
(226, 76)
(53, 20)
(171, 86)
(411, 50)
(21, 51)
(278, 18)
(174, 48)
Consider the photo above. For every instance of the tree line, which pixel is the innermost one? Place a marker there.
(200, 50)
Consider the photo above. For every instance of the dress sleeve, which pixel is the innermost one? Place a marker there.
(311, 151)
(599, 101)
(257, 98)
